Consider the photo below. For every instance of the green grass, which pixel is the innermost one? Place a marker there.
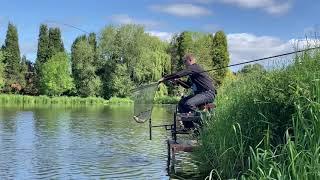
(272, 121)
(166, 100)
(11, 99)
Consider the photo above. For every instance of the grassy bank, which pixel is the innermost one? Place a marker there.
(166, 100)
(10, 99)
(273, 125)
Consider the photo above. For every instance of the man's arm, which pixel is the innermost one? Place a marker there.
(176, 75)
(183, 83)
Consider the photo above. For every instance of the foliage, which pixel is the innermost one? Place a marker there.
(31, 78)
(130, 57)
(83, 69)
(272, 120)
(120, 85)
(56, 75)
(198, 44)
(14, 76)
(166, 100)
(43, 47)
(250, 68)
(220, 56)
(111, 64)
(2, 80)
(13, 100)
(55, 42)
(117, 100)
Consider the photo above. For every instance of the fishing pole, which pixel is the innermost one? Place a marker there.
(256, 60)
(232, 65)
(69, 25)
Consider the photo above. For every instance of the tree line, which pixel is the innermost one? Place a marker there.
(106, 65)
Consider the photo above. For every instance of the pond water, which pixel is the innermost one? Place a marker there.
(81, 143)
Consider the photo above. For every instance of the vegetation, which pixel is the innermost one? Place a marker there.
(251, 68)
(56, 77)
(109, 65)
(2, 77)
(83, 68)
(210, 52)
(272, 120)
(130, 57)
(43, 47)
(10, 99)
(14, 77)
(220, 56)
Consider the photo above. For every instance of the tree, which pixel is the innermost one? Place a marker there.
(43, 46)
(120, 85)
(185, 45)
(252, 68)
(14, 76)
(130, 55)
(198, 44)
(55, 42)
(42, 55)
(83, 69)
(2, 80)
(56, 75)
(31, 87)
(220, 55)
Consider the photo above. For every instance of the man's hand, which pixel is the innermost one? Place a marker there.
(161, 80)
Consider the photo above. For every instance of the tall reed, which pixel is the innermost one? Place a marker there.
(266, 125)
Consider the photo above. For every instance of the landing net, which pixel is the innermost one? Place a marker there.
(143, 102)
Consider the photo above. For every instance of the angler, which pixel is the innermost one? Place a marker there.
(199, 81)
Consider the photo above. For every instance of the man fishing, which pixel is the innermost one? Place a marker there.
(199, 81)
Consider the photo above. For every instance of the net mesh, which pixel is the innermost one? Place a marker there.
(143, 102)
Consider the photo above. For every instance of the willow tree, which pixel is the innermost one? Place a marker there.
(131, 55)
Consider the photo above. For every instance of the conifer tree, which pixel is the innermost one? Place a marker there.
(55, 42)
(43, 47)
(220, 55)
(14, 76)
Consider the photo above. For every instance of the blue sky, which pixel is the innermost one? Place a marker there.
(255, 28)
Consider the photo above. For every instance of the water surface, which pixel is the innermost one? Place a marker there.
(81, 143)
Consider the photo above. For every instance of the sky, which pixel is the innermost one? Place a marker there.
(254, 28)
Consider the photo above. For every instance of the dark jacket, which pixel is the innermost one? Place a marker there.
(199, 78)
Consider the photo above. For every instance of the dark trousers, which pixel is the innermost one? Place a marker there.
(191, 102)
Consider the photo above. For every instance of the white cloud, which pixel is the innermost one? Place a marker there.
(165, 36)
(270, 6)
(183, 10)
(245, 47)
(126, 19)
(248, 46)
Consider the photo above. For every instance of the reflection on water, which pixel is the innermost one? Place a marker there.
(78, 143)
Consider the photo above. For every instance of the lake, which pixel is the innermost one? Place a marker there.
(82, 143)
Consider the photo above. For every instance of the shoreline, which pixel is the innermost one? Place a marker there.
(16, 99)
